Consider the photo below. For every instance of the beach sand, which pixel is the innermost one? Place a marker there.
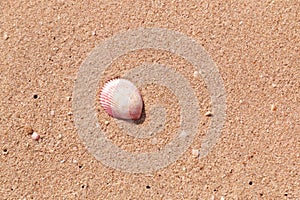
(255, 47)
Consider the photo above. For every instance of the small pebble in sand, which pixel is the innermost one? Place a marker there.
(70, 113)
(208, 114)
(195, 152)
(273, 107)
(106, 123)
(35, 136)
(4, 151)
(52, 113)
(69, 98)
(5, 36)
(196, 74)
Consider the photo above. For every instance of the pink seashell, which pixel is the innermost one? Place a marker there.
(35, 136)
(121, 99)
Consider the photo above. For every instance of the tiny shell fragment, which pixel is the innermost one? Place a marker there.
(196, 74)
(273, 107)
(35, 136)
(195, 152)
(5, 36)
(208, 114)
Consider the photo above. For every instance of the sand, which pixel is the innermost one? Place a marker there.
(255, 47)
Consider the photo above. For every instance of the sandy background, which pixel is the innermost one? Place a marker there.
(256, 49)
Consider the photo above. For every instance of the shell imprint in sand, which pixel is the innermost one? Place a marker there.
(121, 99)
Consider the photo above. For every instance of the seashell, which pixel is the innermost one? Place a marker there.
(121, 99)
(35, 136)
